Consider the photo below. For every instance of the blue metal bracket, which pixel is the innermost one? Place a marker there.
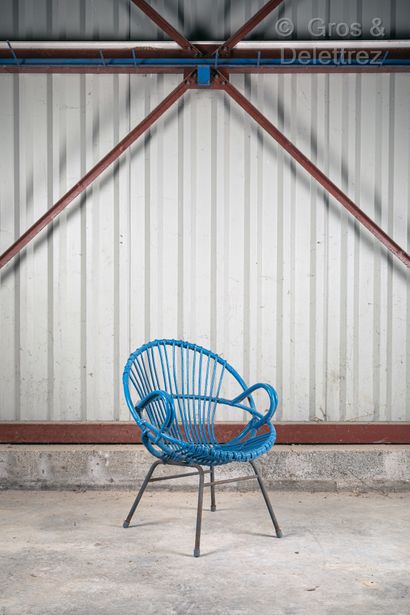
(204, 75)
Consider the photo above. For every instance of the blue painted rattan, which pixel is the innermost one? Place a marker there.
(174, 390)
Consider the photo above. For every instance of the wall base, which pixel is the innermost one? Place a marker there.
(304, 467)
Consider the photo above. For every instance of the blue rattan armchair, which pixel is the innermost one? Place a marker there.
(174, 390)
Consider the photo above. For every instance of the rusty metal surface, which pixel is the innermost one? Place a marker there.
(127, 433)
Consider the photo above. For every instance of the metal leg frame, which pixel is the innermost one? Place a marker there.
(201, 474)
(213, 503)
(140, 494)
(267, 500)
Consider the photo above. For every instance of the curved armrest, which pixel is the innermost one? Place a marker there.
(258, 420)
(166, 398)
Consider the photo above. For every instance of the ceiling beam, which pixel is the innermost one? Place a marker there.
(166, 27)
(247, 27)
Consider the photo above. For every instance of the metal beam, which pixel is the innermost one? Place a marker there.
(167, 57)
(220, 80)
(175, 69)
(315, 172)
(105, 162)
(166, 27)
(125, 432)
(170, 47)
(247, 27)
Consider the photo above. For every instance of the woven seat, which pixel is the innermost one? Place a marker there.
(218, 454)
(176, 391)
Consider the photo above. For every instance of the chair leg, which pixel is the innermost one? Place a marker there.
(267, 500)
(140, 493)
(212, 476)
(197, 551)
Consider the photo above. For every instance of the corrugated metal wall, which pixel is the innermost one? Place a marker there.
(204, 230)
(197, 19)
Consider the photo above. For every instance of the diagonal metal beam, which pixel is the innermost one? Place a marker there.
(247, 27)
(220, 81)
(166, 27)
(315, 172)
(93, 173)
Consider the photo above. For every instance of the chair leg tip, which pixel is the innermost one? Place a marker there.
(279, 533)
(126, 524)
(197, 553)
(213, 508)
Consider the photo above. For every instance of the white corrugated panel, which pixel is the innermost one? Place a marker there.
(197, 19)
(206, 230)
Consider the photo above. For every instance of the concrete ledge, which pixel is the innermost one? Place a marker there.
(304, 467)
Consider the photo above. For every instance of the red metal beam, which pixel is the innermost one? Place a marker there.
(247, 27)
(99, 69)
(315, 172)
(72, 432)
(105, 162)
(286, 51)
(146, 51)
(175, 70)
(166, 27)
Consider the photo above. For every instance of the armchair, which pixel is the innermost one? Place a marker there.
(174, 391)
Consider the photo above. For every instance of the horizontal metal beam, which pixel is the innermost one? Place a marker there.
(89, 432)
(99, 69)
(56, 47)
(97, 169)
(247, 60)
(264, 49)
(177, 62)
(167, 57)
(317, 174)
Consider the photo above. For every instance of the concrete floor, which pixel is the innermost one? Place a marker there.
(67, 553)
